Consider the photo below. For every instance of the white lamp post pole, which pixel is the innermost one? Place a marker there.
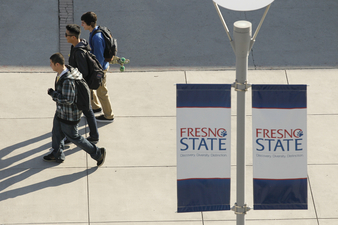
(242, 40)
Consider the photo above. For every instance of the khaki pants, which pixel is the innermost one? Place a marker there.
(101, 97)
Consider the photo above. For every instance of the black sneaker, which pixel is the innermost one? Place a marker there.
(97, 110)
(51, 158)
(103, 119)
(103, 157)
(92, 140)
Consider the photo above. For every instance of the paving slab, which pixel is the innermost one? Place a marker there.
(144, 94)
(45, 195)
(135, 194)
(135, 141)
(321, 89)
(321, 148)
(229, 76)
(25, 95)
(323, 180)
(26, 149)
(328, 221)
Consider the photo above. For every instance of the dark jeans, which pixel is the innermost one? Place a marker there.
(62, 130)
(93, 132)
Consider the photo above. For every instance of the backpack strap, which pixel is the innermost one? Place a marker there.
(94, 32)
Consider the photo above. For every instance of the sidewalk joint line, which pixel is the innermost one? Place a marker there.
(286, 76)
(313, 199)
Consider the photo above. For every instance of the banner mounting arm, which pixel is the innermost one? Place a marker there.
(259, 27)
(224, 24)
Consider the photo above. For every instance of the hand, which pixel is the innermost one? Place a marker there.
(50, 91)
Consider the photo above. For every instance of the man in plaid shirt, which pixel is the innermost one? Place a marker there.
(67, 115)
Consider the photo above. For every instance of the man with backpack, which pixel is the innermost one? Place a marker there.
(78, 58)
(68, 115)
(97, 44)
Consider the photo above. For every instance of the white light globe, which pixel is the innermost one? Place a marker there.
(243, 5)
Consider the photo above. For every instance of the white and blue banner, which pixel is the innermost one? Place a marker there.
(203, 147)
(279, 121)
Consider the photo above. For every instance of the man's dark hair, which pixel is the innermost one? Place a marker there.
(74, 29)
(58, 58)
(89, 18)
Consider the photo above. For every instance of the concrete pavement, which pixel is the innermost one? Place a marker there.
(168, 42)
(137, 183)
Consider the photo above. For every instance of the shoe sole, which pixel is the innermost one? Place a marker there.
(54, 160)
(104, 121)
(104, 157)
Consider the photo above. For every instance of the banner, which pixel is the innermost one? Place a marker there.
(279, 121)
(203, 147)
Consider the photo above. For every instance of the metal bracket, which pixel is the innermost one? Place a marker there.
(241, 86)
(240, 210)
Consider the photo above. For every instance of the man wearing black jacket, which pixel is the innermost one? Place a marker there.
(77, 59)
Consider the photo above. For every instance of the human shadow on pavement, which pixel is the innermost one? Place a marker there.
(10, 175)
(53, 182)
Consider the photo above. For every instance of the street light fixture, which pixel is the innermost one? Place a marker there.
(241, 44)
(243, 5)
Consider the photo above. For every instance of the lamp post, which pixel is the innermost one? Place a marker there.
(242, 37)
(241, 44)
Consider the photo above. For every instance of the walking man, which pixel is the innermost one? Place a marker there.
(97, 44)
(67, 115)
(77, 59)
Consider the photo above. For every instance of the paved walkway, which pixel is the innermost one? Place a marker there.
(137, 183)
(170, 42)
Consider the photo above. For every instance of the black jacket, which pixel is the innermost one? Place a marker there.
(77, 57)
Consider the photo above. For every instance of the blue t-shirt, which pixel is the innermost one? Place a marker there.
(97, 44)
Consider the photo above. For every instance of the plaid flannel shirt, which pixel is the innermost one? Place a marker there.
(64, 96)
